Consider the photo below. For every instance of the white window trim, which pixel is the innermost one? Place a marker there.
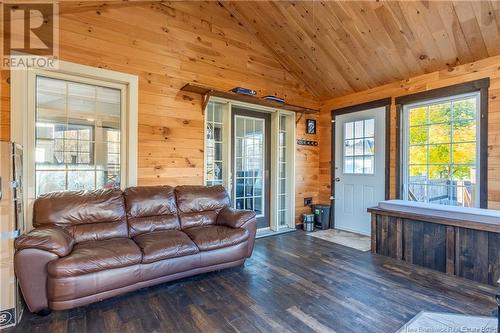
(290, 162)
(227, 154)
(22, 94)
(405, 141)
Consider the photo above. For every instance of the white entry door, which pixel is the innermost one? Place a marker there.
(359, 168)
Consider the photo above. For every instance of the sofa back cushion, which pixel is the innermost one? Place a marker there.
(86, 215)
(200, 205)
(151, 208)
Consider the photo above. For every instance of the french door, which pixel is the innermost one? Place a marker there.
(251, 162)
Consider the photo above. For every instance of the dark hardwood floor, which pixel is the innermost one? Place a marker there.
(292, 283)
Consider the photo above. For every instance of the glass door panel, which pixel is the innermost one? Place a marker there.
(251, 163)
(249, 158)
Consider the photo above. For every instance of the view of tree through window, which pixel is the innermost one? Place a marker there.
(77, 136)
(441, 152)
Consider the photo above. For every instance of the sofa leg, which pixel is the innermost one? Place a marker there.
(44, 312)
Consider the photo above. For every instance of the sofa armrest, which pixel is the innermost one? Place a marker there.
(30, 266)
(234, 218)
(48, 238)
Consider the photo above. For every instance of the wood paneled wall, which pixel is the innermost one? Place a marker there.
(489, 67)
(167, 46)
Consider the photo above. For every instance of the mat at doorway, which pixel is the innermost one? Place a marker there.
(345, 238)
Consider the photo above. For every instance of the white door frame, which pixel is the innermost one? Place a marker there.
(382, 103)
(227, 154)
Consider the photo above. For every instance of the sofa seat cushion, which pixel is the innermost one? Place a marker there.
(166, 244)
(211, 237)
(94, 256)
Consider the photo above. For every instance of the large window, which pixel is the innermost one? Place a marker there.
(77, 136)
(78, 127)
(441, 151)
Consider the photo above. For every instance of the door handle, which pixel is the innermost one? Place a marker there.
(337, 179)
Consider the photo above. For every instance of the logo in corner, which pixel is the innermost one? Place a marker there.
(30, 35)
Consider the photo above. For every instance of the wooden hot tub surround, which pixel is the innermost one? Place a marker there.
(466, 248)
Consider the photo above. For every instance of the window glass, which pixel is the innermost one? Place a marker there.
(441, 143)
(359, 147)
(214, 145)
(283, 173)
(248, 171)
(77, 136)
(248, 159)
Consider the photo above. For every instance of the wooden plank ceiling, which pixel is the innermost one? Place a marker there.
(337, 48)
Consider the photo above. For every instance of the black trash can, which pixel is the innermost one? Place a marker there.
(321, 216)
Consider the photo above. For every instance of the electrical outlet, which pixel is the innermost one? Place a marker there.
(308, 201)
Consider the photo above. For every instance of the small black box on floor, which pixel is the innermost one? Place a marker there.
(321, 216)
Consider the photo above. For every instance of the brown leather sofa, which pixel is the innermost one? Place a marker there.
(89, 246)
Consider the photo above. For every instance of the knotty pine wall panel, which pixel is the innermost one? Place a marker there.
(167, 46)
(489, 67)
(306, 169)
